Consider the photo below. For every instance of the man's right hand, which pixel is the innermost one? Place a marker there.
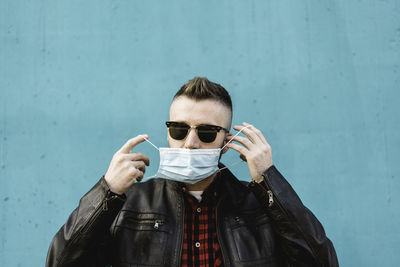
(125, 167)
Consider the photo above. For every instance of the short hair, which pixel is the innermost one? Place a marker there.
(200, 88)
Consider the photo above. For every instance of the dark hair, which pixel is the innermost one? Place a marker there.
(200, 88)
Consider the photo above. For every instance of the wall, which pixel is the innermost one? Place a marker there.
(79, 78)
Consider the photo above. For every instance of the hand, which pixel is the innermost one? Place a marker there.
(125, 167)
(255, 150)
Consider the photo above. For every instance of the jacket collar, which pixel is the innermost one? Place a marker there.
(229, 186)
(234, 189)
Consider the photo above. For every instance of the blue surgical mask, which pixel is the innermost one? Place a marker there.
(188, 165)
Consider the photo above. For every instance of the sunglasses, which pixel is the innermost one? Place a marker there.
(206, 133)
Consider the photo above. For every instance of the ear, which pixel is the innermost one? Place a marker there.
(228, 137)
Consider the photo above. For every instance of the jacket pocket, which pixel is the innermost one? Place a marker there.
(253, 238)
(140, 238)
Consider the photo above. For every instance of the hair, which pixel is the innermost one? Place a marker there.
(200, 88)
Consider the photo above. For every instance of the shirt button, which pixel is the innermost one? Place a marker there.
(198, 209)
(197, 244)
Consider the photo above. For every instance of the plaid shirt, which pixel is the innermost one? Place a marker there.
(200, 242)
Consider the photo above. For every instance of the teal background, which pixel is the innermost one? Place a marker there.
(319, 78)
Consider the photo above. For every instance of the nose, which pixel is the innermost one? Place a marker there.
(192, 140)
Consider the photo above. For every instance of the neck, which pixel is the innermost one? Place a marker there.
(202, 185)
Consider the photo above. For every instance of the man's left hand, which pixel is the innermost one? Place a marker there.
(255, 150)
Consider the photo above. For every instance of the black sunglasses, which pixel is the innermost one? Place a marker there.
(206, 133)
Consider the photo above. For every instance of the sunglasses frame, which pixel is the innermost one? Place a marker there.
(211, 127)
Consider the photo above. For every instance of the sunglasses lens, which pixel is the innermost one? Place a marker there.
(206, 134)
(178, 132)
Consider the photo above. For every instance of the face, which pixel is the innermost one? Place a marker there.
(193, 113)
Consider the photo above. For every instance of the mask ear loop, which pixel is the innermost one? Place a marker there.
(147, 140)
(235, 136)
(233, 164)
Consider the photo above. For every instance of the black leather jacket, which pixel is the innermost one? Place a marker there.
(257, 225)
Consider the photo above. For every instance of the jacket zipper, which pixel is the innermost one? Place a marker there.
(102, 207)
(156, 223)
(182, 234)
(270, 195)
(270, 198)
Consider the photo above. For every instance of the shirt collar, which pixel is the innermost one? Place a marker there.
(212, 192)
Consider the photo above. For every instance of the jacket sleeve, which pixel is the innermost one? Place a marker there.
(300, 234)
(84, 239)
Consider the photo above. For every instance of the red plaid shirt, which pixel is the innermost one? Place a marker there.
(200, 242)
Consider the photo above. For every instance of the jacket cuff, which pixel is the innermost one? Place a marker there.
(111, 199)
(262, 191)
(88, 224)
(97, 205)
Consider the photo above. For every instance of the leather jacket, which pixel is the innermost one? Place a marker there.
(262, 224)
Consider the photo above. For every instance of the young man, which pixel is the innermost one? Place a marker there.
(193, 214)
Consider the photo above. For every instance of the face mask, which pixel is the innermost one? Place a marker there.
(188, 165)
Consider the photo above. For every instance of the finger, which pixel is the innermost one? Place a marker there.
(136, 173)
(131, 143)
(228, 137)
(143, 169)
(242, 150)
(140, 176)
(243, 157)
(257, 131)
(244, 141)
(140, 165)
(250, 134)
(137, 156)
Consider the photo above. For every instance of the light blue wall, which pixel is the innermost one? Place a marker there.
(78, 78)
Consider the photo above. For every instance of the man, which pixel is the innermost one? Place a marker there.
(195, 214)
